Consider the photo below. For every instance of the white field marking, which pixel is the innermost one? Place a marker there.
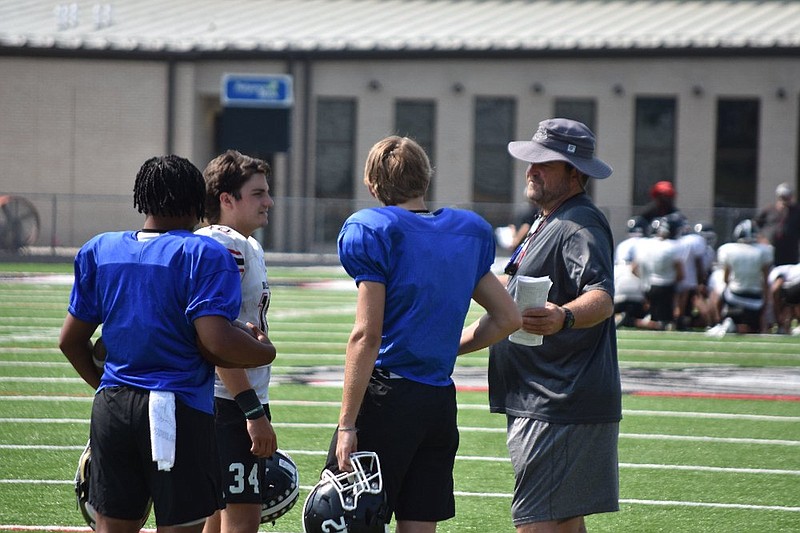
(47, 398)
(698, 438)
(466, 429)
(44, 420)
(478, 356)
(719, 416)
(721, 469)
(339, 355)
(461, 407)
(29, 337)
(36, 364)
(505, 495)
(21, 379)
(667, 364)
(766, 340)
(305, 403)
(54, 529)
(26, 321)
(290, 324)
(289, 313)
(717, 353)
(16, 349)
(472, 458)
(712, 505)
(335, 356)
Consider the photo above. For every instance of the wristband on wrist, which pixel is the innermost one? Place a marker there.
(248, 402)
(347, 429)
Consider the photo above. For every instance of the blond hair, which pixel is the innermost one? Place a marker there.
(397, 170)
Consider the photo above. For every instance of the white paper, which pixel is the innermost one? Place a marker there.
(531, 292)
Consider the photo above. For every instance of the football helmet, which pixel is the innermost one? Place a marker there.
(351, 502)
(282, 487)
(670, 226)
(707, 231)
(745, 231)
(82, 490)
(637, 225)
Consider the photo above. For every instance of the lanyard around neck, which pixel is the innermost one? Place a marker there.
(536, 227)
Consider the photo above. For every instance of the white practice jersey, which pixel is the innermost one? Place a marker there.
(656, 259)
(789, 273)
(746, 263)
(627, 286)
(692, 250)
(249, 256)
(623, 253)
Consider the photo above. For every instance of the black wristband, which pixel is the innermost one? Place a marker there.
(248, 402)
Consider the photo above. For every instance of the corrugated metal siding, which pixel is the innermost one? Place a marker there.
(380, 25)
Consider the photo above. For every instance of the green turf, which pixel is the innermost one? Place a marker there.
(686, 464)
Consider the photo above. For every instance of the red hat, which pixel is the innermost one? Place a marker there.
(663, 188)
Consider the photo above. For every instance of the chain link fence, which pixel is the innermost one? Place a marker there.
(297, 225)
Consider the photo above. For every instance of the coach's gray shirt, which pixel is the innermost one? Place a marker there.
(573, 376)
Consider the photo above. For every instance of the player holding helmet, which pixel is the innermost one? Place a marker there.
(417, 272)
(159, 293)
(237, 204)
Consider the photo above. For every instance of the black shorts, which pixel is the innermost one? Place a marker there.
(791, 295)
(242, 472)
(123, 475)
(662, 302)
(740, 314)
(632, 310)
(412, 428)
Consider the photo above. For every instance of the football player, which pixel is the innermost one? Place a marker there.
(166, 299)
(237, 204)
(745, 264)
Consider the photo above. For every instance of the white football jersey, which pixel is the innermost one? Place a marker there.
(790, 274)
(623, 253)
(656, 259)
(746, 263)
(692, 248)
(627, 286)
(249, 256)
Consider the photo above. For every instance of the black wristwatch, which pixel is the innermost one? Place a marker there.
(569, 318)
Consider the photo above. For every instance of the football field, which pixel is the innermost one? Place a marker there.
(710, 440)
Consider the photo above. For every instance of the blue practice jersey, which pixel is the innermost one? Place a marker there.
(430, 264)
(147, 294)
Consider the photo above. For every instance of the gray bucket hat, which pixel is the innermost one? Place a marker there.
(561, 139)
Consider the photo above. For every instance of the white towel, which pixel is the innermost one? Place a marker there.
(162, 428)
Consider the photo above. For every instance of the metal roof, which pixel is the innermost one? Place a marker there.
(399, 26)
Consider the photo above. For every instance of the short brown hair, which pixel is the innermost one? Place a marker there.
(397, 170)
(227, 173)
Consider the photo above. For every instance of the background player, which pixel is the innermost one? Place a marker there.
(160, 293)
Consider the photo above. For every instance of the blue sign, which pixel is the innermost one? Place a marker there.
(257, 90)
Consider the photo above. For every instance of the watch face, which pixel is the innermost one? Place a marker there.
(569, 318)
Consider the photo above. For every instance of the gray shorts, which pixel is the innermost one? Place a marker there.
(562, 471)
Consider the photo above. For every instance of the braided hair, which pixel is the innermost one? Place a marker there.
(169, 186)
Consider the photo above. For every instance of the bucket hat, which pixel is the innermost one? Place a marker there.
(561, 139)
